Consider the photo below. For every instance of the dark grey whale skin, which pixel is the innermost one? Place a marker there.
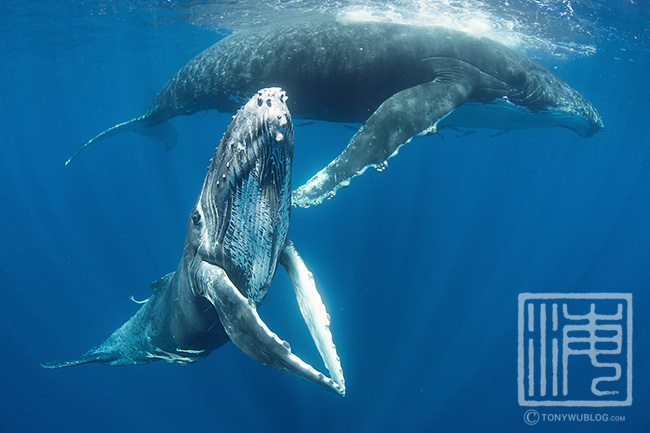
(407, 77)
(179, 319)
(343, 72)
(236, 237)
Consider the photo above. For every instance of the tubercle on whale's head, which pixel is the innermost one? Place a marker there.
(584, 118)
(545, 93)
(245, 200)
(595, 122)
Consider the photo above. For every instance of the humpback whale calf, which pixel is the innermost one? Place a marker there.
(236, 236)
(399, 80)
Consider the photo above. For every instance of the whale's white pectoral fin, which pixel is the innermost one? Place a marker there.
(401, 117)
(250, 334)
(313, 310)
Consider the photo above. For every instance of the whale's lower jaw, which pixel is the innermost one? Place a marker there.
(501, 114)
(252, 245)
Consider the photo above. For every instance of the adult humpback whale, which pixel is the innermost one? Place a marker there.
(400, 80)
(236, 235)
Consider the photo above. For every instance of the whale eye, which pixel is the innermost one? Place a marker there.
(268, 102)
(259, 102)
(196, 217)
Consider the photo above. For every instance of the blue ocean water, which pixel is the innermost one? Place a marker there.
(420, 266)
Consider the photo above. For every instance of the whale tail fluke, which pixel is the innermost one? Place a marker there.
(164, 132)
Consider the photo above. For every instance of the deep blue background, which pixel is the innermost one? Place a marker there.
(420, 266)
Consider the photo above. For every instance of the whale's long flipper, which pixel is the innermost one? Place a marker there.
(246, 329)
(92, 356)
(130, 344)
(411, 112)
(164, 132)
(313, 310)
